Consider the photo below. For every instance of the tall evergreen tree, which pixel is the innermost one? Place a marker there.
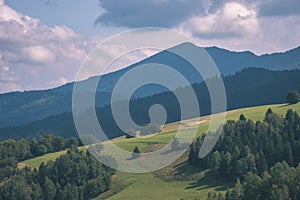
(49, 189)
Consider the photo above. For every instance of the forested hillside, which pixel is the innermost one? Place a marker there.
(249, 87)
(75, 175)
(258, 155)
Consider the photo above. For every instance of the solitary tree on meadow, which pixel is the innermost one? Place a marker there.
(135, 153)
(293, 97)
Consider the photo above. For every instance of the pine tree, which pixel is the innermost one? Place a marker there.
(49, 189)
(70, 192)
(136, 152)
(261, 162)
(289, 158)
(242, 117)
(236, 193)
(36, 192)
(191, 159)
(215, 162)
(58, 195)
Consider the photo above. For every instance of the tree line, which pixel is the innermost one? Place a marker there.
(75, 175)
(14, 151)
(245, 146)
(281, 182)
(260, 157)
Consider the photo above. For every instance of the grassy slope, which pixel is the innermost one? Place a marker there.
(254, 113)
(178, 180)
(149, 186)
(35, 162)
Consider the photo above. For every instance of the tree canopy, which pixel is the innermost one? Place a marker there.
(293, 97)
(75, 175)
(245, 146)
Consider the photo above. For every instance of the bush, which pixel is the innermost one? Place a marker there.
(135, 153)
(293, 97)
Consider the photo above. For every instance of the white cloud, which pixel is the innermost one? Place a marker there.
(35, 56)
(239, 27)
(59, 81)
(39, 54)
(64, 33)
(259, 26)
(233, 20)
(6, 75)
(117, 55)
(279, 36)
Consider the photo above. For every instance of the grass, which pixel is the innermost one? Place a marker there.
(36, 162)
(168, 132)
(148, 186)
(258, 112)
(177, 181)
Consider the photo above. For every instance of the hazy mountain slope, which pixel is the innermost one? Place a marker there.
(20, 108)
(249, 87)
(228, 61)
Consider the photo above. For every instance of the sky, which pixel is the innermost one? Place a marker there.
(44, 42)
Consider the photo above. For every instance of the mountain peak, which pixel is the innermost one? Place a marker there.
(184, 46)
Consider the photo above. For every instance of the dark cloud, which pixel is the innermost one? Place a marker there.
(140, 13)
(171, 13)
(279, 8)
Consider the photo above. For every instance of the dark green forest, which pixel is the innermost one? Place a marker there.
(280, 182)
(75, 175)
(261, 152)
(14, 151)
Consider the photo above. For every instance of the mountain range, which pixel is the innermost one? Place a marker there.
(19, 109)
(249, 87)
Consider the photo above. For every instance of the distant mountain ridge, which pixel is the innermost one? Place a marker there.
(19, 108)
(249, 87)
(228, 61)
